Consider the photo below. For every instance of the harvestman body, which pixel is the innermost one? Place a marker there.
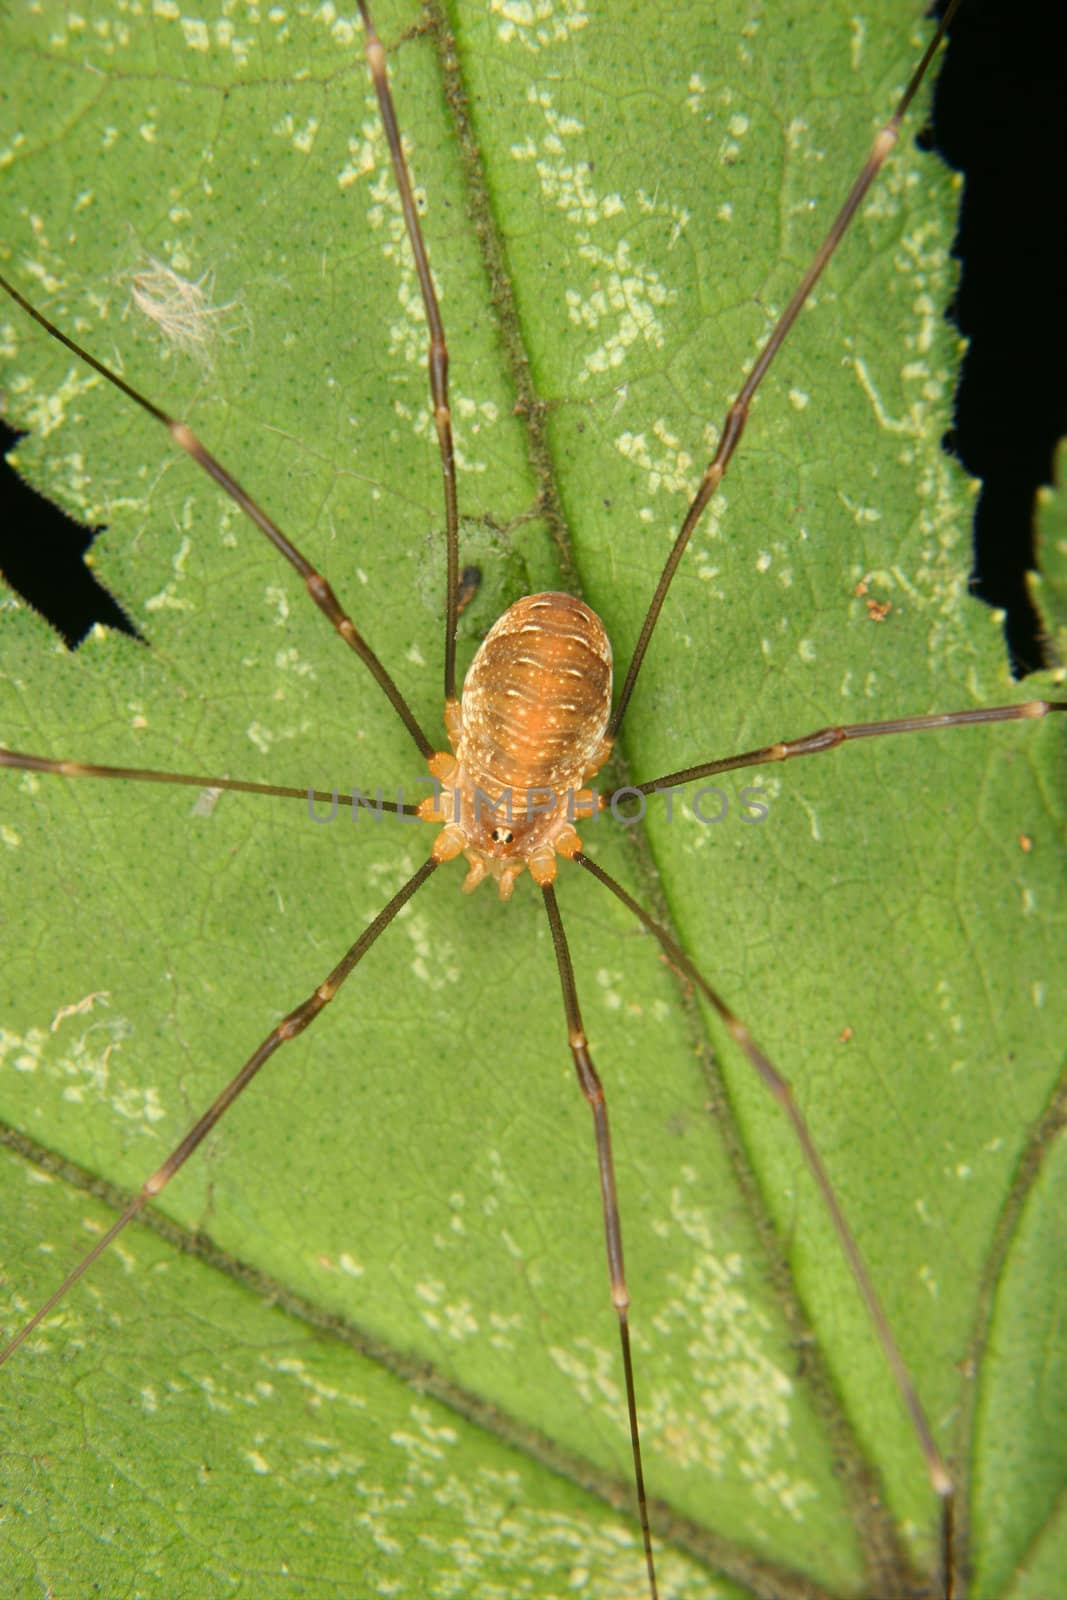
(533, 725)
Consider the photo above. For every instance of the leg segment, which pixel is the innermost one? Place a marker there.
(816, 744)
(734, 422)
(438, 357)
(297, 1020)
(317, 586)
(593, 1091)
(936, 1469)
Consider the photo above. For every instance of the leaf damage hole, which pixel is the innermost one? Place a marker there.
(43, 558)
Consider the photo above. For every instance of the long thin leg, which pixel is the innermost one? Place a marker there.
(593, 1091)
(438, 355)
(317, 586)
(297, 1020)
(19, 761)
(816, 744)
(783, 1094)
(735, 419)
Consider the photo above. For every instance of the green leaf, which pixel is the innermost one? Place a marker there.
(387, 1362)
(1049, 586)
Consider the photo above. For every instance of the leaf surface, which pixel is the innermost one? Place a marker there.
(615, 205)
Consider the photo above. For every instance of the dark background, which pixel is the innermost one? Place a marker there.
(1000, 116)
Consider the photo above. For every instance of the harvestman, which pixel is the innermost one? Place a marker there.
(555, 627)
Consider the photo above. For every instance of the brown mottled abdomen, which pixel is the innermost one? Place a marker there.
(528, 730)
(537, 698)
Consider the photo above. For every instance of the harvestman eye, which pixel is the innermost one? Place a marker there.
(535, 716)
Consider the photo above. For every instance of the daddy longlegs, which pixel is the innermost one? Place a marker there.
(770, 1427)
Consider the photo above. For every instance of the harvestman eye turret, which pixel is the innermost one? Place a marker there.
(533, 726)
